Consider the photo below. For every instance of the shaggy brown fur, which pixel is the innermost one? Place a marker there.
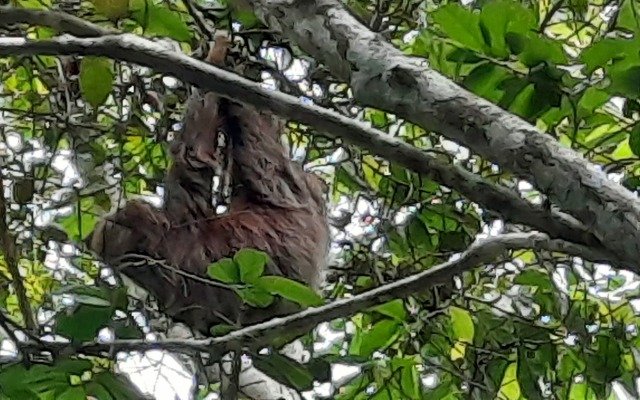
(276, 207)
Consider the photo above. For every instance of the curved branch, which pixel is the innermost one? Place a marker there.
(480, 252)
(381, 76)
(131, 48)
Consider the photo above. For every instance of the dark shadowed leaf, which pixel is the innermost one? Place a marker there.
(73, 393)
(118, 386)
(83, 322)
(285, 370)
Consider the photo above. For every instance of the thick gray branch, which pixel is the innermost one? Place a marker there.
(138, 50)
(382, 76)
(480, 252)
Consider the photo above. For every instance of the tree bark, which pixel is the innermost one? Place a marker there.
(382, 77)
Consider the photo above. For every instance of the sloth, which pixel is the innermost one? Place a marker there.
(275, 206)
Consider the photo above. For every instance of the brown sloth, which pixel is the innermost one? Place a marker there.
(275, 207)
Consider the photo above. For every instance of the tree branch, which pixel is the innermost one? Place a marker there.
(11, 258)
(381, 76)
(259, 335)
(58, 21)
(131, 48)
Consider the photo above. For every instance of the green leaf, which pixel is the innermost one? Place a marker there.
(73, 393)
(96, 79)
(600, 53)
(93, 295)
(83, 323)
(74, 366)
(625, 80)
(460, 24)
(485, 79)
(378, 337)
(252, 264)
(160, 20)
(532, 277)
(502, 16)
(591, 99)
(80, 223)
(285, 371)
(394, 309)
(290, 290)
(118, 386)
(112, 9)
(247, 18)
(98, 391)
(629, 15)
(224, 270)
(533, 49)
(462, 324)
(410, 382)
(255, 297)
(221, 330)
(634, 140)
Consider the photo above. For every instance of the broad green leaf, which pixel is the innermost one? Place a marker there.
(290, 290)
(221, 330)
(246, 18)
(378, 337)
(394, 309)
(634, 140)
(112, 9)
(510, 389)
(485, 80)
(463, 331)
(571, 364)
(410, 382)
(160, 20)
(255, 296)
(83, 323)
(73, 393)
(462, 324)
(251, 264)
(625, 81)
(80, 223)
(285, 370)
(534, 362)
(533, 49)
(96, 79)
(600, 53)
(502, 16)
(532, 277)
(629, 15)
(592, 98)
(98, 391)
(604, 361)
(224, 270)
(119, 386)
(581, 391)
(461, 25)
